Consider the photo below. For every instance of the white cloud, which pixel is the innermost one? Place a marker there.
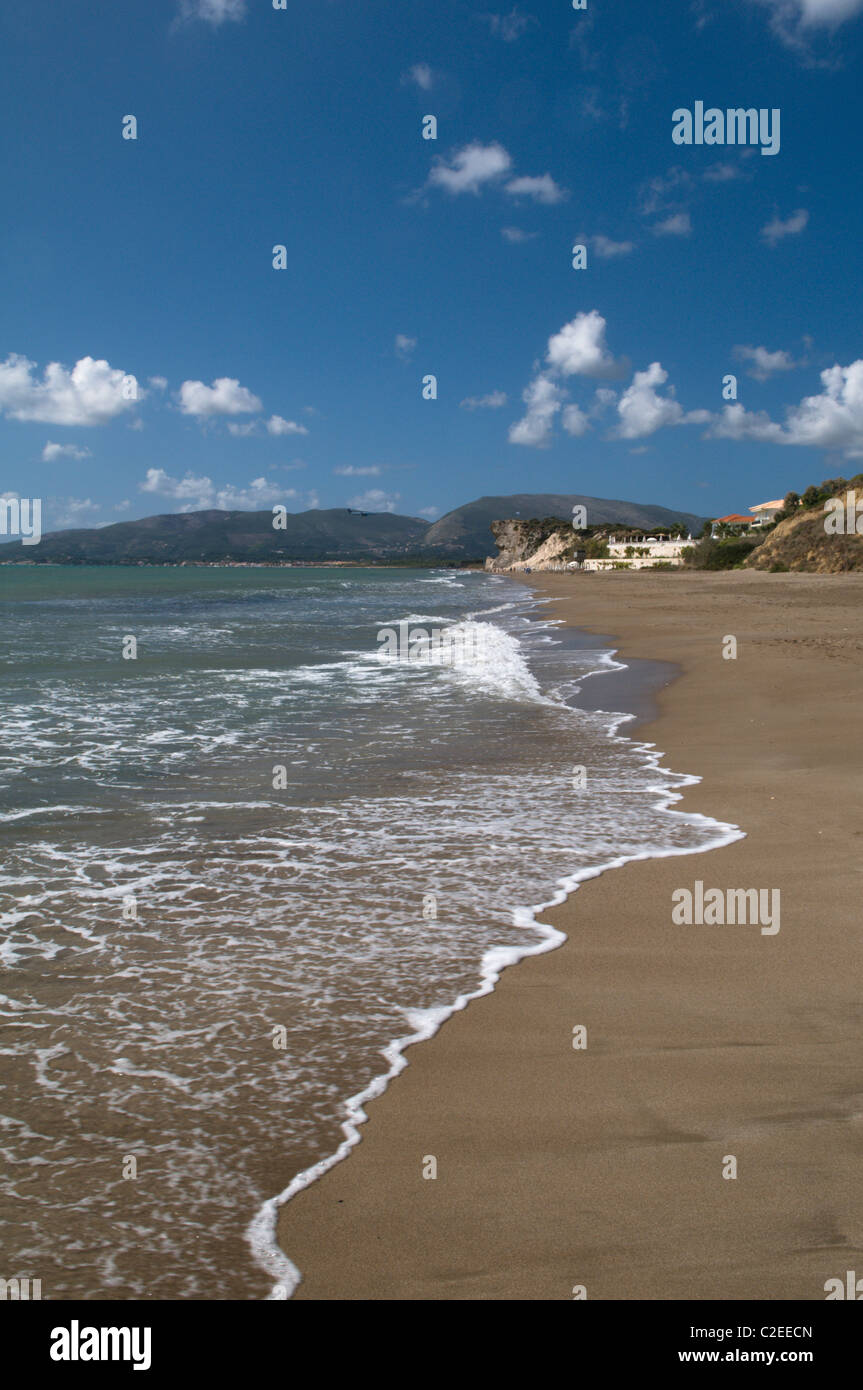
(430, 512)
(642, 411)
(201, 493)
(794, 20)
(404, 346)
(833, 419)
(215, 12)
(68, 512)
(516, 235)
(574, 421)
(792, 226)
(679, 224)
(580, 348)
(470, 168)
(242, 431)
(654, 198)
(52, 452)
(543, 399)
(542, 189)
(764, 364)
(828, 12)
(508, 27)
(349, 470)
(123, 506)
(91, 394)
(198, 490)
(259, 494)
(276, 425)
(607, 249)
(421, 75)
(225, 397)
(722, 173)
(493, 401)
(376, 500)
(158, 383)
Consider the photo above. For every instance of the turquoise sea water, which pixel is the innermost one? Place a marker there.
(200, 966)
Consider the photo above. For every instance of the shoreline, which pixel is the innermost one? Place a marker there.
(602, 1168)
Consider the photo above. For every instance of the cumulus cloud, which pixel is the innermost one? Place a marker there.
(607, 249)
(764, 364)
(430, 512)
(277, 425)
(642, 410)
(574, 421)
(833, 419)
(68, 512)
(792, 226)
(52, 452)
(679, 224)
(420, 75)
(91, 394)
(470, 168)
(201, 493)
(580, 348)
(543, 398)
(225, 397)
(198, 490)
(214, 12)
(797, 22)
(376, 500)
(349, 470)
(493, 401)
(404, 346)
(542, 189)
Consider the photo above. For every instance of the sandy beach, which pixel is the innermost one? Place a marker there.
(603, 1167)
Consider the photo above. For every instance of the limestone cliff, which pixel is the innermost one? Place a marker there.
(531, 544)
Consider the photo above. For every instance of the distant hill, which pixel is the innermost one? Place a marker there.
(212, 536)
(468, 528)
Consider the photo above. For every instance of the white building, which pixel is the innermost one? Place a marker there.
(640, 555)
(766, 512)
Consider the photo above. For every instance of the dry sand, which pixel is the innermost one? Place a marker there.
(603, 1167)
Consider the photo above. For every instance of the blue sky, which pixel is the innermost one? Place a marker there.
(153, 360)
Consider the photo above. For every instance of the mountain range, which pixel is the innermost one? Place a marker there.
(461, 536)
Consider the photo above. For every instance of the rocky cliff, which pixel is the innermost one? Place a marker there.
(533, 544)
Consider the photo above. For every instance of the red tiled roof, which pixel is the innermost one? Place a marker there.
(734, 517)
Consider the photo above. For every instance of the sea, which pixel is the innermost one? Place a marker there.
(261, 831)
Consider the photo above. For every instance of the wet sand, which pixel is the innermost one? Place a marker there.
(603, 1167)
